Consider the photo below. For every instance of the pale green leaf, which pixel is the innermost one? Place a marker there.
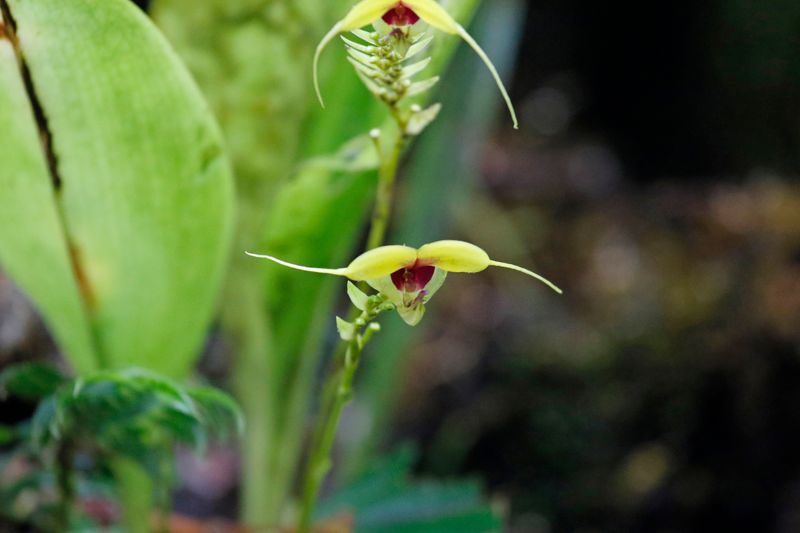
(33, 250)
(146, 193)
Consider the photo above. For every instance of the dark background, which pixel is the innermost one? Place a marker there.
(656, 178)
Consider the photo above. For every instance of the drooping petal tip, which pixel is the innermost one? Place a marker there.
(331, 35)
(332, 271)
(529, 273)
(488, 62)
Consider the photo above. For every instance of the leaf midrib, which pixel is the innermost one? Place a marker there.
(8, 30)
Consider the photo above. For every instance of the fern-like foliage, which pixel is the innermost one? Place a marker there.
(131, 413)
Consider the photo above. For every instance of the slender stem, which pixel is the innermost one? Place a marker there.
(337, 390)
(165, 481)
(387, 174)
(319, 463)
(135, 489)
(66, 484)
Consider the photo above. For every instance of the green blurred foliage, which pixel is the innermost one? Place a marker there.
(384, 500)
(84, 426)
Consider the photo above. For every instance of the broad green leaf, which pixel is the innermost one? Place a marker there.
(146, 194)
(33, 250)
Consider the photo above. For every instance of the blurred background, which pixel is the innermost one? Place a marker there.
(655, 180)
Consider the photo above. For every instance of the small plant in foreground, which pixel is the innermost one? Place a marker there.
(130, 414)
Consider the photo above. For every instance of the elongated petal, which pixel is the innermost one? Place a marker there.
(381, 262)
(478, 50)
(331, 35)
(528, 272)
(454, 256)
(434, 14)
(332, 271)
(360, 15)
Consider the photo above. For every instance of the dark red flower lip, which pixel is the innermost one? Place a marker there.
(400, 15)
(414, 278)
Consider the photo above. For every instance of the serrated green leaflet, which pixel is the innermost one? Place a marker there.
(145, 197)
(385, 500)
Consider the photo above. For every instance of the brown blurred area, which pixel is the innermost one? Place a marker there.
(655, 180)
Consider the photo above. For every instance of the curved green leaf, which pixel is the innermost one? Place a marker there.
(33, 250)
(145, 190)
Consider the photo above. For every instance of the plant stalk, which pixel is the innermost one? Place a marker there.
(384, 195)
(66, 484)
(337, 390)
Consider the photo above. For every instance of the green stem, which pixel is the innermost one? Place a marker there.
(387, 174)
(135, 490)
(66, 484)
(337, 389)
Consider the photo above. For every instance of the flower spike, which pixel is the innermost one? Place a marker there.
(368, 11)
(409, 277)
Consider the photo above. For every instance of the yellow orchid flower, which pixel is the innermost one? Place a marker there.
(401, 13)
(409, 277)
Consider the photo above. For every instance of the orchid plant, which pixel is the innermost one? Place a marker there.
(403, 277)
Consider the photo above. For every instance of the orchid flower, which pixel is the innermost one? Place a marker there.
(409, 277)
(402, 14)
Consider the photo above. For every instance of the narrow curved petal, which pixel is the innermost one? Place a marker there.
(331, 35)
(434, 14)
(454, 256)
(360, 15)
(332, 271)
(380, 262)
(478, 50)
(528, 272)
